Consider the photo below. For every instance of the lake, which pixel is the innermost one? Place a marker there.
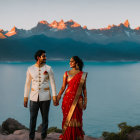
(113, 90)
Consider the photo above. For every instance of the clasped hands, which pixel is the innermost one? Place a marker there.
(56, 101)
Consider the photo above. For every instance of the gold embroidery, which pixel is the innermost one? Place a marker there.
(32, 89)
(74, 123)
(46, 88)
(67, 90)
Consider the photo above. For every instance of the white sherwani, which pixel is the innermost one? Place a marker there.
(40, 77)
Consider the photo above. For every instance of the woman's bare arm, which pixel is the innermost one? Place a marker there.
(85, 95)
(63, 87)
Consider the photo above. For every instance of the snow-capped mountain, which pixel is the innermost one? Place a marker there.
(73, 30)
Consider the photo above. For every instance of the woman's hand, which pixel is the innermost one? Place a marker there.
(85, 103)
(84, 106)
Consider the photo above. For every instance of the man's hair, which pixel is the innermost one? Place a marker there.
(38, 53)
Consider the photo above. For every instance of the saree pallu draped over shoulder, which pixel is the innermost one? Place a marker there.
(72, 109)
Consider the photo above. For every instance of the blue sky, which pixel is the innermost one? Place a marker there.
(92, 13)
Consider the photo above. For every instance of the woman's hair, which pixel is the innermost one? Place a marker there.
(39, 53)
(79, 62)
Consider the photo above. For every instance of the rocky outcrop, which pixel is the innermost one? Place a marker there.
(10, 125)
(23, 135)
(13, 130)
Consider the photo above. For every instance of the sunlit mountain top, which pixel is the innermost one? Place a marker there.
(126, 23)
(12, 32)
(2, 36)
(43, 22)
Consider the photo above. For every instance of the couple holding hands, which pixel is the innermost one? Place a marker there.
(74, 101)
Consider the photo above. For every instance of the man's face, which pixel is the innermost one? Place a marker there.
(42, 58)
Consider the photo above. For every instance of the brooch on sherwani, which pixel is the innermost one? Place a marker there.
(45, 73)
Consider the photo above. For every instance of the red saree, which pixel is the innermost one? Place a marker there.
(72, 109)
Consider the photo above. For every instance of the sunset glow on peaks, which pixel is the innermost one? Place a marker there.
(12, 32)
(54, 24)
(138, 28)
(43, 22)
(1, 30)
(2, 36)
(126, 23)
(75, 25)
(84, 27)
(61, 25)
(71, 20)
(108, 28)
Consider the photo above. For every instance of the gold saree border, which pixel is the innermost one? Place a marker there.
(74, 102)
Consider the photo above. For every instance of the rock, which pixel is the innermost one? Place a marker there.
(24, 135)
(13, 130)
(10, 125)
(20, 132)
(135, 135)
(51, 129)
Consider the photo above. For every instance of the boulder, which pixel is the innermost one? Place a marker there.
(10, 125)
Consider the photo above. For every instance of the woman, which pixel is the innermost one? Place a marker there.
(73, 101)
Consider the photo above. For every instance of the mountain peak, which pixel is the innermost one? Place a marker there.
(85, 27)
(2, 36)
(1, 30)
(54, 24)
(61, 25)
(108, 28)
(126, 23)
(12, 32)
(43, 22)
(70, 20)
(75, 25)
(14, 29)
(138, 28)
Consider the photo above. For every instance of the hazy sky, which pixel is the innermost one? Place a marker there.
(92, 13)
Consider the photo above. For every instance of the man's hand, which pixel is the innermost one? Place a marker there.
(55, 102)
(26, 102)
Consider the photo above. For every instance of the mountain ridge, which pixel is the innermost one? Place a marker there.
(73, 30)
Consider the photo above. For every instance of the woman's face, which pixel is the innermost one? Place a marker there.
(72, 63)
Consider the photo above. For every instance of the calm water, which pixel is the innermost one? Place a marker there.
(113, 94)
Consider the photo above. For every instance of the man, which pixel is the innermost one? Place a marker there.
(39, 75)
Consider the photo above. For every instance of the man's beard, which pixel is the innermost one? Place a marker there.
(43, 62)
